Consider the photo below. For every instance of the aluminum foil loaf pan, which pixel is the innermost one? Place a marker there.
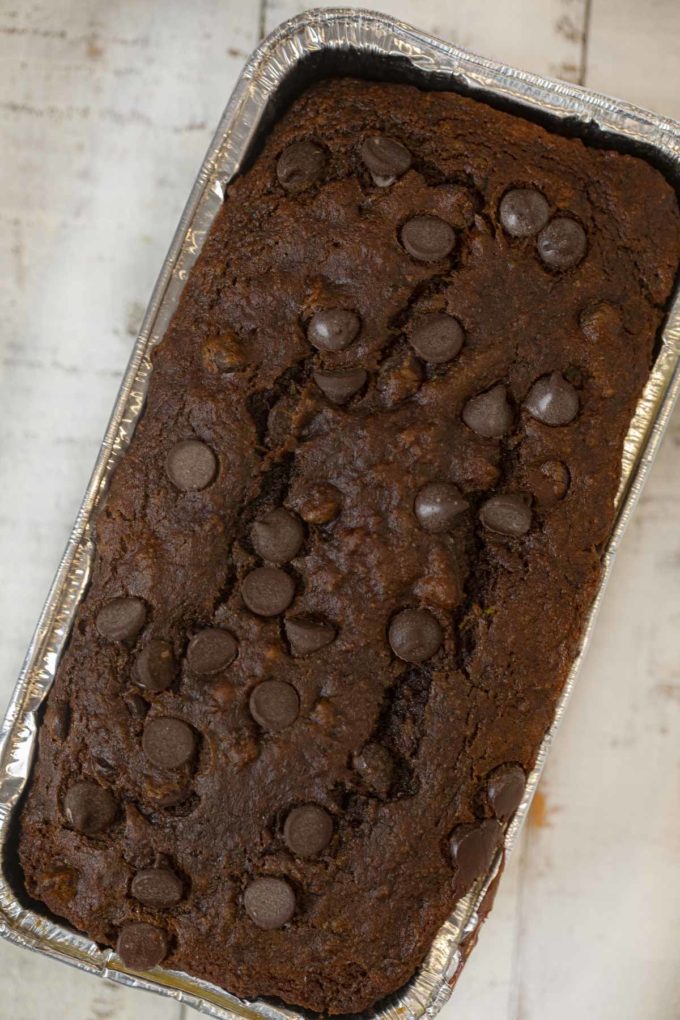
(316, 45)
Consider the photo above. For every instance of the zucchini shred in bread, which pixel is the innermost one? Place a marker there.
(343, 569)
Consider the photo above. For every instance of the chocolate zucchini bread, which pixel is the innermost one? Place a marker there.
(343, 569)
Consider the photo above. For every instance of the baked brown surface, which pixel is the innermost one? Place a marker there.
(373, 788)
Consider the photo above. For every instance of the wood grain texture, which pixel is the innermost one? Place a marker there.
(105, 112)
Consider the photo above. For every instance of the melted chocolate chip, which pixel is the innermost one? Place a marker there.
(552, 400)
(505, 789)
(308, 636)
(427, 238)
(375, 766)
(308, 830)
(156, 667)
(211, 650)
(121, 619)
(89, 808)
(141, 946)
(168, 742)
(274, 705)
(333, 329)
(562, 244)
(267, 591)
(437, 506)
(300, 165)
(278, 536)
(157, 887)
(415, 635)
(385, 159)
(342, 384)
(437, 338)
(269, 902)
(191, 465)
(473, 848)
(489, 414)
(549, 482)
(523, 212)
(508, 514)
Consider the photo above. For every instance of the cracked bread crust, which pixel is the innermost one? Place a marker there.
(397, 753)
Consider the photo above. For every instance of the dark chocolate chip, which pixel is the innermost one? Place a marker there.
(274, 705)
(141, 946)
(308, 636)
(156, 667)
(523, 212)
(562, 244)
(269, 902)
(489, 414)
(505, 789)
(415, 635)
(342, 384)
(308, 830)
(267, 591)
(333, 329)
(507, 514)
(168, 742)
(121, 619)
(552, 400)
(278, 536)
(89, 808)
(473, 848)
(157, 887)
(437, 506)
(375, 766)
(427, 238)
(211, 650)
(191, 465)
(549, 482)
(385, 158)
(437, 338)
(300, 165)
(319, 503)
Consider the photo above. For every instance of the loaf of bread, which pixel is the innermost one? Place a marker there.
(344, 567)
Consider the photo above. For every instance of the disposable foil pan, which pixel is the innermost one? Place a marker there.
(316, 44)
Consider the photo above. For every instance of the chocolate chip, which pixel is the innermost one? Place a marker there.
(157, 887)
(121, 619)
(274, 705)
(333, 329)
(505, 789)
(278, 536)
(308, 830)
(269, 902)
(168, 742)
(375, 766)
(136, 706)
(562, 244)
(385, 158)
(89, 808)
(61, 720)
(427, 238)
(523, 212)
(552, 400)
(156, 666)
(437, 506)
(340, 385)
(300, 165)
(211, 650)
(308, 636)
(267, 591)
(191, 465)
(549, 482)
(473, 848)
(508, 514)
(319, 503)
(437, 338)
(141, 946)
(415, 635)
(489, 414)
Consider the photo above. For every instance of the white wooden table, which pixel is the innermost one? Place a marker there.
(106, 108)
